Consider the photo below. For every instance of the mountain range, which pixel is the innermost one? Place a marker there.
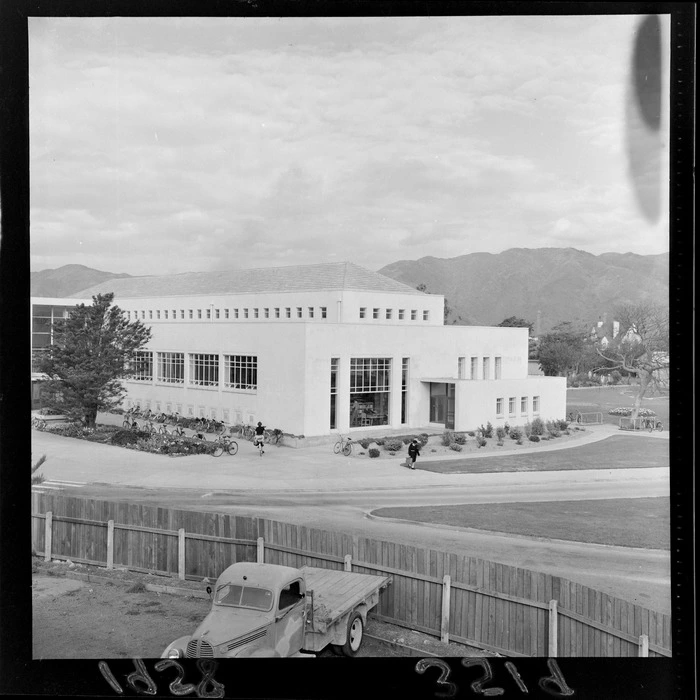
(543, 285)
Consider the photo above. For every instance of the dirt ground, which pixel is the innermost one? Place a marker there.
(85, 612)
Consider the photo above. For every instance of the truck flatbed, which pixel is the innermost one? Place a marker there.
(337, 593)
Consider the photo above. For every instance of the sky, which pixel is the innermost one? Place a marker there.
(166, 145)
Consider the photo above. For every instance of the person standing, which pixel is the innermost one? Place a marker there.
(413, 453)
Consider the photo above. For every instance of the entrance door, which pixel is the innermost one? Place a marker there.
(442, 404)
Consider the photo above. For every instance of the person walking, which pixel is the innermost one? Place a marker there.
(413, 453)
(259, 437)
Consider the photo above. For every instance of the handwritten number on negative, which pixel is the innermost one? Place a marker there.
(425, 664)
(176, 687)
(479, 682)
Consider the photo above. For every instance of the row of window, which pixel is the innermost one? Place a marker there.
(212, 313)
(474, 368)
(512, 405)
(388, 314)
(238, 372)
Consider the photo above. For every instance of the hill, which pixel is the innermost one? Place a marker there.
(561, 283)
(67, 280)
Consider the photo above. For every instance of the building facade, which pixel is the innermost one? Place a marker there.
(319, 349)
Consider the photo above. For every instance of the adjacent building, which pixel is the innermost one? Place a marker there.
(319, 349)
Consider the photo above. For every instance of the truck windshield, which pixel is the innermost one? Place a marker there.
(244, 597)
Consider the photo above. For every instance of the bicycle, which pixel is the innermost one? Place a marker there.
(343, 445)
(652, 424)
(163, 430)
(148, 427)
(272, 436)
(217, 427)
(247, 432)
(578, 418)
(224, 442)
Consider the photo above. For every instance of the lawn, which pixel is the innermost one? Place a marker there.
(594, 399)
(616, 452)
(626, 522)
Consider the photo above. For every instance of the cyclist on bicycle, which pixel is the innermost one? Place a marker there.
(259, 437)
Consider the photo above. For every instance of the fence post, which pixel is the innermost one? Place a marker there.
(643, 645)
(552, 628)
(261, 551)
(48, 530)
(110, 544)
(348, 562)
(181, 553)
(445, 621)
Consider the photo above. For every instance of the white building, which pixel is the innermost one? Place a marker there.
(317, 349)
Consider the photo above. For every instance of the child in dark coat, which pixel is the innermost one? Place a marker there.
(413, 453)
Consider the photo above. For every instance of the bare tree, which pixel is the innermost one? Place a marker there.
(641, 348)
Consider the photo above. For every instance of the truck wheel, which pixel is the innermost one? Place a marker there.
(355, 635)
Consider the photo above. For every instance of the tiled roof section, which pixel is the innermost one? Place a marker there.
(297, 278)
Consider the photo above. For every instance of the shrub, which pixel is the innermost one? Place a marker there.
(471, 433)
(447, 438)
(500, 433)
(534, 438)
(457, 448)
(516, 433)
(481, 442)
(126, 437)
(527, 429)
(379, 441)
(460, 438)
(423, 437)
(553, 428)
(563, 424)
(623, 411)
(365, 443)
(407, 439)
(538, 426)
(393, 445)
(500, 443)
(519, 441)
(489, 430)
(374, 452)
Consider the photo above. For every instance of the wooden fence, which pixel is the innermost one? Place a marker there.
(497, 607)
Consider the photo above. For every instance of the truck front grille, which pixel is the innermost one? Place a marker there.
(199, 649)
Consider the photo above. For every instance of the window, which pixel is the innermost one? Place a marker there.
(486, 367)
(402, 314)
(363, 311)
(375, 313)
(208, 313)
(241, 372)
(475, 368)
(158, 314)
(387, 314)
(174, 314)
(288, 312)
(204, 369)
(334, 391)
(523, 405)
(199, 313)
(256, 313)
(311, 311)
(143, 314)
(535, 404)
(277, 312)
(226, 313)
(414, 314)
(171, 367)
(290, 595)
(245, 313)
(217, 313)
(324, 312)
(235, 313)
(462, 368)
(511, 406)
(142, 367)
(182, 313)
(404, 390)
(426, 315)
(499, 407)
(266, 312)
(299, 312)
(191, 313)
(497, 368)
(165, 313)
(150, 314)
(370, 386)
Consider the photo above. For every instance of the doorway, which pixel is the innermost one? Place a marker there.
(442, 404)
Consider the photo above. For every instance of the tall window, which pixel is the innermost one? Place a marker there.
(235, 313)
(204, 369)
(199, 313)
(166, 313)
(486, 367)
(143, 366)
(402, 314)
(462, 368)
(499, 407)
(158, 314)
(370, 386)
(267, 313)
(475, 368)
(299, 312)
(414, 314)
(255, 313)
(191, 313)
(523, 405)
(388, 315)
(245, 313)
(277, 312)
(311, 311)
(426, 315)
(375, 313)
(511, 406)
(497, 368)
(324, 312)
(334, 391)
(208, 313)
(217, 313)
(404, 390)
(363, 311)
(171, 367)
(535, 404)
(226, 313)
(288, 311)
(241, 372)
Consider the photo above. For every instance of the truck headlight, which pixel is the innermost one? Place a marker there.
(174, 654)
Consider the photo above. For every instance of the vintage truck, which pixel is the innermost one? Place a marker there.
(270, 610)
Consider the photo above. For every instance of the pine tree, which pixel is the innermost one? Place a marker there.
(94, 349)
